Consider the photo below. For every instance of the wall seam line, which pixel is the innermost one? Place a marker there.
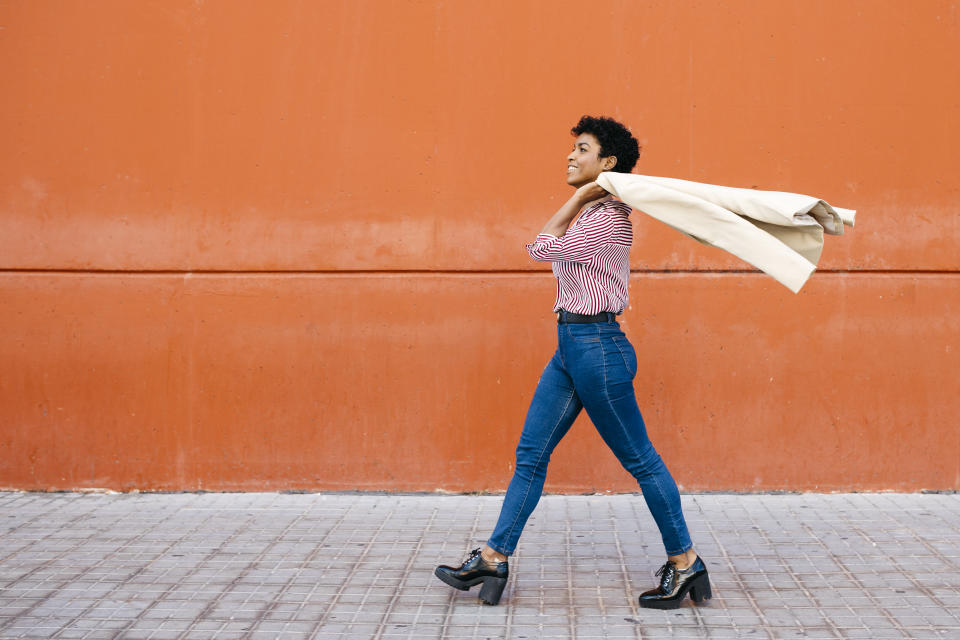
(440, 272)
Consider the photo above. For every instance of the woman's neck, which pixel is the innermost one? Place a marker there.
(598, 200)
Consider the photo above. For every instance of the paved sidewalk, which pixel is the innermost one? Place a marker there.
(361, 566)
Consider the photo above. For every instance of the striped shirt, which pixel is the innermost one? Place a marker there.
(591, 261)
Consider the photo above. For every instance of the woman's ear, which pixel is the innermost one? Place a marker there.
(608, 163)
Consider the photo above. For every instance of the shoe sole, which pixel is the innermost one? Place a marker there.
(698, 589)
(490, 592)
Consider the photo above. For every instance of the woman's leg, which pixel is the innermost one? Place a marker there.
(553, 409)
(603, 372)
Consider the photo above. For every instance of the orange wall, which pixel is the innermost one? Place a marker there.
(271, 245)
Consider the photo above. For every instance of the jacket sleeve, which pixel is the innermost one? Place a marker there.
(578, 244)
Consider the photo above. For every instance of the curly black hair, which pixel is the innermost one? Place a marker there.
(614, 138)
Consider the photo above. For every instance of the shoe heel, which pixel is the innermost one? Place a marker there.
(700, 589)
(492, 589)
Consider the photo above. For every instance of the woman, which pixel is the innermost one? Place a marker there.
(593, 369)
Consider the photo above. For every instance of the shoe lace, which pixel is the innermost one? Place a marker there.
(667, 571)
(473, 554)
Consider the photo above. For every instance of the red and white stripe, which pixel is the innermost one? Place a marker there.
(591, 260)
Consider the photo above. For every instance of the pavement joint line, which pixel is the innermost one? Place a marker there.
(40, 514)
(909, 575)
(63, 583)
(313, 554)
(714, 599)
(624, 573)
(944, 562)
(510, 612)
(452, 594)
(742, 587)
(272, 606)
(696, 609)
(852, 577)
(403, 580)
(568, 571)
(793, 576)
(331, 606)
(93, 605)
(162, 596)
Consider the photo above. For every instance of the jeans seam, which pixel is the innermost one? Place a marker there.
(616, 343)
(623, 429)
(537, 466)
(560, 353)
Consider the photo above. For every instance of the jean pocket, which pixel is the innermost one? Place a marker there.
(583, 332)
(628, 354)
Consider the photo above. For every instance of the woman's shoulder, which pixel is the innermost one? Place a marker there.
(613, 206)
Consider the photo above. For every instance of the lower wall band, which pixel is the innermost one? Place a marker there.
(421, 382)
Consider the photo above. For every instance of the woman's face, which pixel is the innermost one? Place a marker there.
(584, 163)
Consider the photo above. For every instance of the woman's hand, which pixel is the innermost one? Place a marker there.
(558, 224)
(590, 192)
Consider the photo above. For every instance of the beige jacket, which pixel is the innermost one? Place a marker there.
(777, 232)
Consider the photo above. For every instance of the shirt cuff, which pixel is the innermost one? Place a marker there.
(542, 239)
(538, 248)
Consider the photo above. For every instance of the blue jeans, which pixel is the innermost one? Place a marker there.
(593, 369)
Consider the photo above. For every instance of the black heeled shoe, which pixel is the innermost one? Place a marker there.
(473, 571)
(674, 585)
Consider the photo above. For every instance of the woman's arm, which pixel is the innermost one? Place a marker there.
(581, 243)
(557, 225)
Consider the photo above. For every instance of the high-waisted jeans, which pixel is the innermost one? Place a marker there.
(593, 369)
